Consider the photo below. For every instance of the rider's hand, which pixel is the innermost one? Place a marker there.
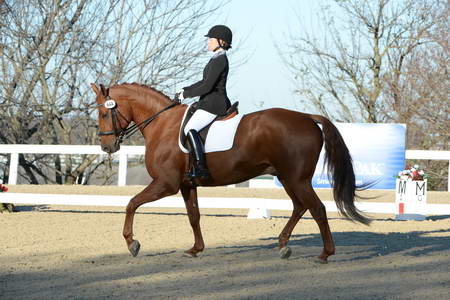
(178, 97)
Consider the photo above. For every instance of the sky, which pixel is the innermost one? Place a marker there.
(263, 81)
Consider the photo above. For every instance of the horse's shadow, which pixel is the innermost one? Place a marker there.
(360, 245)
(28, 208)
(72, 211)
(437, 218)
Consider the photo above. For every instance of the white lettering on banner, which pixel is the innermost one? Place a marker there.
(326, 181)
(368, 168)
(322, 181)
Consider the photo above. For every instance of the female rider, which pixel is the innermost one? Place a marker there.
(212, 91)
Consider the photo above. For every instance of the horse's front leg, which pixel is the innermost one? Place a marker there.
(156, 190)
(191, 202)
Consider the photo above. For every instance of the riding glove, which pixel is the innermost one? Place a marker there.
(179, 97)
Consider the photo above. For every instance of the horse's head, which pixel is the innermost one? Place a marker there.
(114, 116)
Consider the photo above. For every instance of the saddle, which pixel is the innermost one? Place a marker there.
(231, 112)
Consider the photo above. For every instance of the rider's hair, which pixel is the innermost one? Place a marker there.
(224, 45)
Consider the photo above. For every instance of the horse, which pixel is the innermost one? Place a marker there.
(275, 141)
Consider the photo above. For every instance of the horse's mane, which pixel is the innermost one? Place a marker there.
(135, 84)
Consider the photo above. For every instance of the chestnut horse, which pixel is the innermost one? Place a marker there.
(274, 141)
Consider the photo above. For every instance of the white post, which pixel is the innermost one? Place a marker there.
(122, 169)
(13, 166)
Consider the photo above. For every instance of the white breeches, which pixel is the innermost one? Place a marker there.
(199, 120)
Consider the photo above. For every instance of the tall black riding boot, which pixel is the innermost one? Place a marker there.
(198, 154)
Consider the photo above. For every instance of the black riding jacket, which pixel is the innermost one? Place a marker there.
(212, 88)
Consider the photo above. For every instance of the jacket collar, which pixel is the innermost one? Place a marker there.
(217, 53)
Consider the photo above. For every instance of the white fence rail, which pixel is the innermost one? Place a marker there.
(259, 206)
(14, 150)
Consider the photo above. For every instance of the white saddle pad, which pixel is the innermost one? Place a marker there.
(220, 135)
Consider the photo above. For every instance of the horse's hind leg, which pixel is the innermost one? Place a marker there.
(191, 202)
(153, 192)
(304, 197)
(297, 213)
(317, 210)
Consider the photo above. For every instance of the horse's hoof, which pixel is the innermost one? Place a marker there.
(134, 248)
(189, 254)
(319, 260)
(285, 252)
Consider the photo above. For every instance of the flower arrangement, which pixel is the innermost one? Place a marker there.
(413, 173)
(3, 188)
(5, 206)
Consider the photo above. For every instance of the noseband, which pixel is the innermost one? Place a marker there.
(112, 107)
(123, 133)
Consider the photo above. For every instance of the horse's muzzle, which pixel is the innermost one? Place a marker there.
(111, 148)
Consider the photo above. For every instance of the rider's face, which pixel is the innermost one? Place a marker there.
(212, 44)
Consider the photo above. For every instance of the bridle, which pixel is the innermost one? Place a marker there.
(123, 133)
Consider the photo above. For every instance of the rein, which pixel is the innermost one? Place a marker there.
(123, 133)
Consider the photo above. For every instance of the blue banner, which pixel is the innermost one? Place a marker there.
(378, 152)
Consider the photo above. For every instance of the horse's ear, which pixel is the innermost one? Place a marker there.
(105, 91)
(95, 88)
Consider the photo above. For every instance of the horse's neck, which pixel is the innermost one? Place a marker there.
(146, 104)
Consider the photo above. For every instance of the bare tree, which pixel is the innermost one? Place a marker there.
(420, 96)
(378, 61)
(37, 41)
(418, 91)
(342, 74)
(50, 51)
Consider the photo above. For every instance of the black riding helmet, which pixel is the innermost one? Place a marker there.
(221, 32)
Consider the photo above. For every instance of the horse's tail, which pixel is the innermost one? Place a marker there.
(340, 170)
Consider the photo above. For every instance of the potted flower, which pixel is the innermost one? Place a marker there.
(413, 173)
(5, 206)
(411, 193)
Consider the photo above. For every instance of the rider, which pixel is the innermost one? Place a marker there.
(212, 91)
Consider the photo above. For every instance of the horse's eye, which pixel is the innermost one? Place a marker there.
(104, 115)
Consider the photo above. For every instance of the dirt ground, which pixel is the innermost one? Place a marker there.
(69, 252)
